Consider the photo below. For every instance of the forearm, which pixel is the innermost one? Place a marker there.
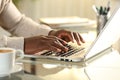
(20, 25)
(28, 28)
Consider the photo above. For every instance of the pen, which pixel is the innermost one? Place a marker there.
(95, 9)
(101, 10)
(108, 6)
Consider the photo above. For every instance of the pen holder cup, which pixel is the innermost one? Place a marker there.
(101, 21)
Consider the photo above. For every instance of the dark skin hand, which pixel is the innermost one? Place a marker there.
(68, 36)
(55, 41)
(40, 43)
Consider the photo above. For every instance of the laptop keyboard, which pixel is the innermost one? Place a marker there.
(71, 50)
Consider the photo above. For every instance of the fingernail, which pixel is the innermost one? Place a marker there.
(58, 50)
(66, 49)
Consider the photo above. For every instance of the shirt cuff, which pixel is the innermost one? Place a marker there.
(3, 41)
(15, 42)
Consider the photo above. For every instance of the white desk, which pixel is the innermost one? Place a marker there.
(105, 68)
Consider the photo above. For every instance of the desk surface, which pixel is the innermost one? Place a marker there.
(106, 67)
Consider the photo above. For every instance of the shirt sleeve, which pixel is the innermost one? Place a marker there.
(19, 25)
(12, 42)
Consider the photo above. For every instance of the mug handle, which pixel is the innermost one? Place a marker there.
(20, 55)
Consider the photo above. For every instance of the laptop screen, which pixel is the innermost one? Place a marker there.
(108, 36)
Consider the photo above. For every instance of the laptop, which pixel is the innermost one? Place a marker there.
(108, 36)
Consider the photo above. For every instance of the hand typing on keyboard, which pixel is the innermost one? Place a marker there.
(56, 41)
(72, 49)
(68, 36)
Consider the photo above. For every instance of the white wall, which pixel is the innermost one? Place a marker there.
(52, 8)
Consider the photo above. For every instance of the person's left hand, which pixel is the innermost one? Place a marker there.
(68, 36)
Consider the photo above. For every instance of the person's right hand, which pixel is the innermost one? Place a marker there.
(39, 43)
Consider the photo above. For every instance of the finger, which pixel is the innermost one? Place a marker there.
(62, 41)
(55, 49)
(56, 38)
(77, 38)
(51, 48)
(68, 36)
(72, 37)
(81, 39)
(60, 46)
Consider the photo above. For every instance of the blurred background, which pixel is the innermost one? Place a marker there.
(60, 8)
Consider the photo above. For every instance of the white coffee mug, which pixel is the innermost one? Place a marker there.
(8, 58)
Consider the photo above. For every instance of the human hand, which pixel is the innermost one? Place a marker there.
(68, 36)
(40, 43)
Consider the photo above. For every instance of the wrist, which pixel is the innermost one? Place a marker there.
(52, 32)
(25, 45)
